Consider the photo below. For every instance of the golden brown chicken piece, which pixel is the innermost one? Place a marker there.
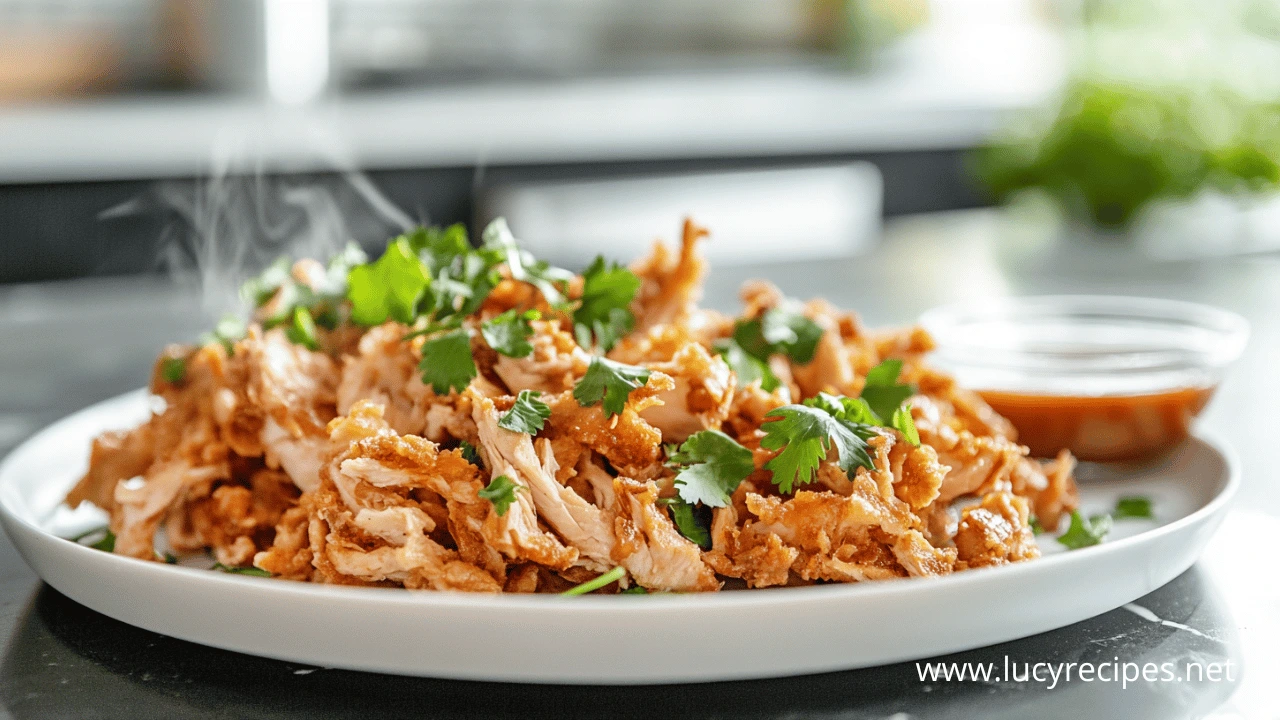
(342, 465)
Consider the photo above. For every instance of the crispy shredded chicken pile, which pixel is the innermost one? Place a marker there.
(339, 465)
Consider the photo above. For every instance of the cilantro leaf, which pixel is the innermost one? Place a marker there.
(256, 572)
(302, 331)
(882, 390)
(746, 366)
(173, 370)
(604, 308)
(509, 332)
(228, 330)
(1084, 532)
(552, 282)
(391, 288)
(804, 434)
(439, 247)
(596, 583)
(469, 452)
(688, 523)
(501, 491)
(527, 416)
(323, 302)
(783, 329)
(258, 290)
(446, 361)
(1036, 527)
(1133, 506)
(635, 590)
(712, 465)
(605, 334)
(611, 382)
(905, 424)
(106, 543)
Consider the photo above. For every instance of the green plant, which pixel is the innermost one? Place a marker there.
(1115, 146)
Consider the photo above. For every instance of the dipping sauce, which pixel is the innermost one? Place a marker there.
(1109, 378)
(1102, 429)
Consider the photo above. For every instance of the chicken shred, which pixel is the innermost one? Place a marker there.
(341, 465)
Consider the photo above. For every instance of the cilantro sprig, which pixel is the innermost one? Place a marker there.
(882, 391)
(1133, 506)
(390, 288)
(603, 314)
(551, 281)
(469, 452)
(321, 303)
(253, 571)
(688, 521)
(173, 370)
(805, 433)
(226, 333)
(302, 331)
(711, 466)
(783, 329)
(508, 333)
(501, 491)
(446, 362)
(528, 415)
(1085, 531)
(746, 366)
(596, 583)
(610, 383)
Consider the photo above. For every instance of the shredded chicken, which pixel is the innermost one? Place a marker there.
(341, 464)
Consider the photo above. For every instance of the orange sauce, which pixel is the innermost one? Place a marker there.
(1120, 428)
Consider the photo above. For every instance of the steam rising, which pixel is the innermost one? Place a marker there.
(226, 228)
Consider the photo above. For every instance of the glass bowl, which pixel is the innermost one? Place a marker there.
(1107, 377)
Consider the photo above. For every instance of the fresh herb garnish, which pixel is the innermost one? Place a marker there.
(528, 415)
(804, 434)
(302, 331)
(1133, 506)
(321, 302)
(1084, 532)
(509, 332)
(1036, 527)
(905, 424)
(746, 366)
(469, 452)
(686, 520)
(439, 248)
(612, 576)
(711, 465)
(390, 288)
(173, 370)
(228, 330)
(783, 329)
(551, 281)
(446, 361)
(634, 590)
(603, 310)
(106, 543)
(255, 572)
(882, 391)
(611, 382)
(501, 491)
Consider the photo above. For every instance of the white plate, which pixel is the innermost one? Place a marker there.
(615, 639)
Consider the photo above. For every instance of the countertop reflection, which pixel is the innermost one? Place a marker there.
(69, 345)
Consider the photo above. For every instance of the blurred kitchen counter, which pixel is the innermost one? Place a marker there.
(945, 88)
(70, 344)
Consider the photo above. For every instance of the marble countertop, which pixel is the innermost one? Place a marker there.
(71, 344)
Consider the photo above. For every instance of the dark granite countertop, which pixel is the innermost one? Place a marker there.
(68, 345)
